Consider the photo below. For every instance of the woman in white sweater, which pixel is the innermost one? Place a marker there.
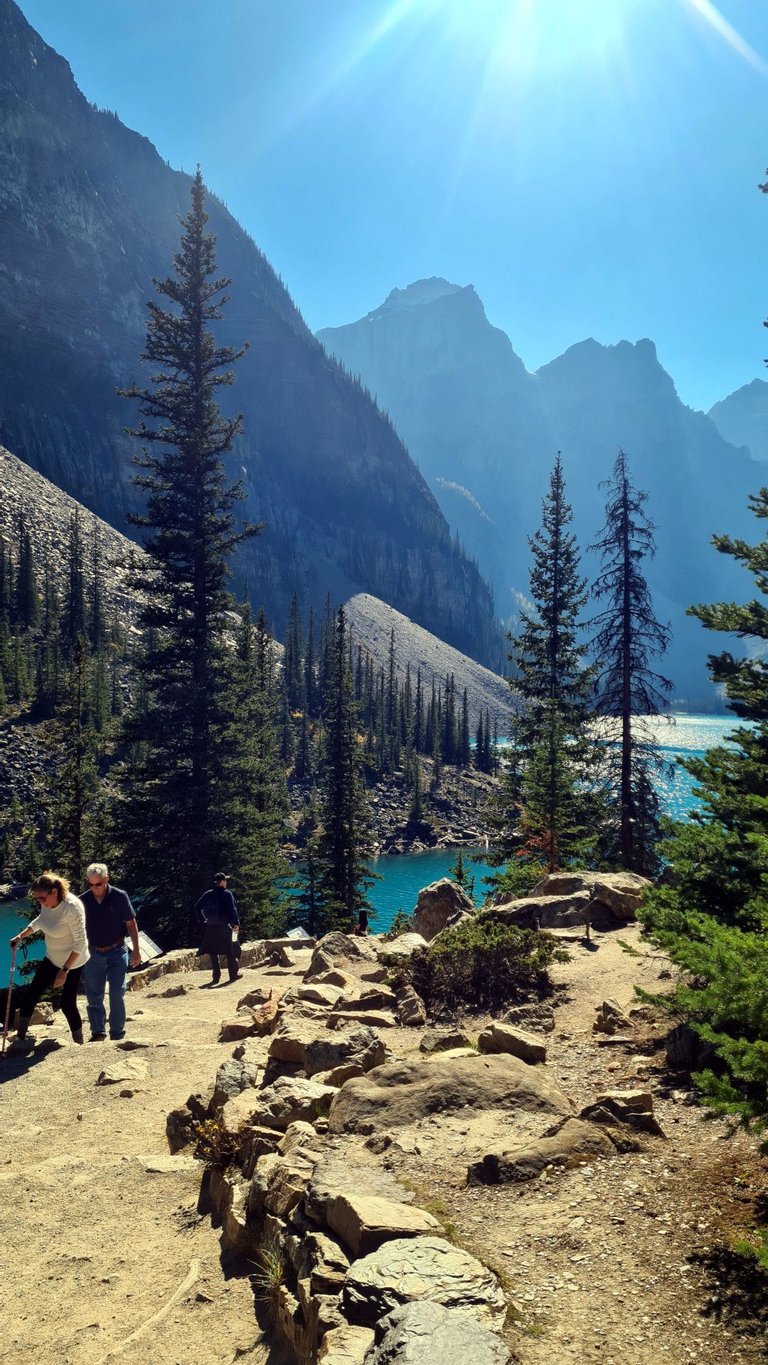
(62, 922)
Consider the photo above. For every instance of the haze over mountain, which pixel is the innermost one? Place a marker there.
(89, 213)
(742, 418)
(485, 433)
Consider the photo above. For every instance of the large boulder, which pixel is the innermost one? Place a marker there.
(436, 906)
(401, 1093)
(232, 1077)
(411, 1010)
(571, 1144)
(545, 911)
(426, 1333)
(631, 1107)
(615, 896)
(402, 947)
(289, 1099)
(421, 1268)
(293, 1035)
(340, 950)
(357, 1046)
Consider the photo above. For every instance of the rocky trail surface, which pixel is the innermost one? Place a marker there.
(110, 1252)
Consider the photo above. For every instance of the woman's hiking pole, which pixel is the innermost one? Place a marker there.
(8, 1001)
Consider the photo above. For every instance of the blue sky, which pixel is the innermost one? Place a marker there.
(591, 166)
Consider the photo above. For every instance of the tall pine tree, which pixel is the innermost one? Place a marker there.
(343, 874)
(713, 918)
(548, 787)
(627, 637)
(171, 831)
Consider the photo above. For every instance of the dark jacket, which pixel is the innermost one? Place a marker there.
(217, 906)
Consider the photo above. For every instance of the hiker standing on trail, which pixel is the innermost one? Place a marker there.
(218, 910)
(61, 919)
(109, 916)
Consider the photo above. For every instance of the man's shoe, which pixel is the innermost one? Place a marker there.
(98, 1038)
(77, 1036)
(116, 1037)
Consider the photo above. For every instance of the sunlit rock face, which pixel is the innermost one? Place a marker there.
(89, 213)
(485, 433)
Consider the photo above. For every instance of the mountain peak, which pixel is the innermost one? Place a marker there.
(419, 294)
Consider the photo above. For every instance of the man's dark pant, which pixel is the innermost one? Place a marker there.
(44, 977)
(218, 942)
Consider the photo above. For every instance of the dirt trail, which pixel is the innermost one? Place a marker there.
(101, 1228)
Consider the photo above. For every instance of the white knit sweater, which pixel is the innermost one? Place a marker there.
(64, 929)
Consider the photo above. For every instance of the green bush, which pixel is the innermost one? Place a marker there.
(401, 924)
(515, 880)
(482, 964)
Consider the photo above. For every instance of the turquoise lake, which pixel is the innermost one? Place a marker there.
(401, 877)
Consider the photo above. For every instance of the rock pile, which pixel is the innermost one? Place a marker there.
(317, 1110)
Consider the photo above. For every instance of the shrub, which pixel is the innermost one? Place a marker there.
(269, 1277)
(515, 880)
(482, 964)
(215, 1145)
(401, 924)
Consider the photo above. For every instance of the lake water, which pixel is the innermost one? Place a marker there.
(402, 876)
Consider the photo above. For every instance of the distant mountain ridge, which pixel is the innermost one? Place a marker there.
(485, 432)
(89, 213)
(742, 418)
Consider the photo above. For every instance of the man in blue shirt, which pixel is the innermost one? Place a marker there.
(109, 916)
(218, 911)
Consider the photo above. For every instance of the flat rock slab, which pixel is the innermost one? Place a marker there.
(428, 1334)
(319, 995)
(401, 1093)
(332, 1176)
(167, 1165)
(574, 1143)
(501, 1037)
(124, 1069)
(402, 947)
(365, 1222)
(345, 1346)
(421, 1268)
(373, 1018)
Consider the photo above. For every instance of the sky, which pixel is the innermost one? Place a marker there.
(590, 166)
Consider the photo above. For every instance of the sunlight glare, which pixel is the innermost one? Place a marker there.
(711, 14)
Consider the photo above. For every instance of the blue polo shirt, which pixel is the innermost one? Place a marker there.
(105, 920)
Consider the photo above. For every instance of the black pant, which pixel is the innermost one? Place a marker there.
(44, 977)
(218, 942)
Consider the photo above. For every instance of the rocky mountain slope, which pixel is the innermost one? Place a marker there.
(742, 418)
(48, 513)
(372, 623)
(89, 213)
(485, 433)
